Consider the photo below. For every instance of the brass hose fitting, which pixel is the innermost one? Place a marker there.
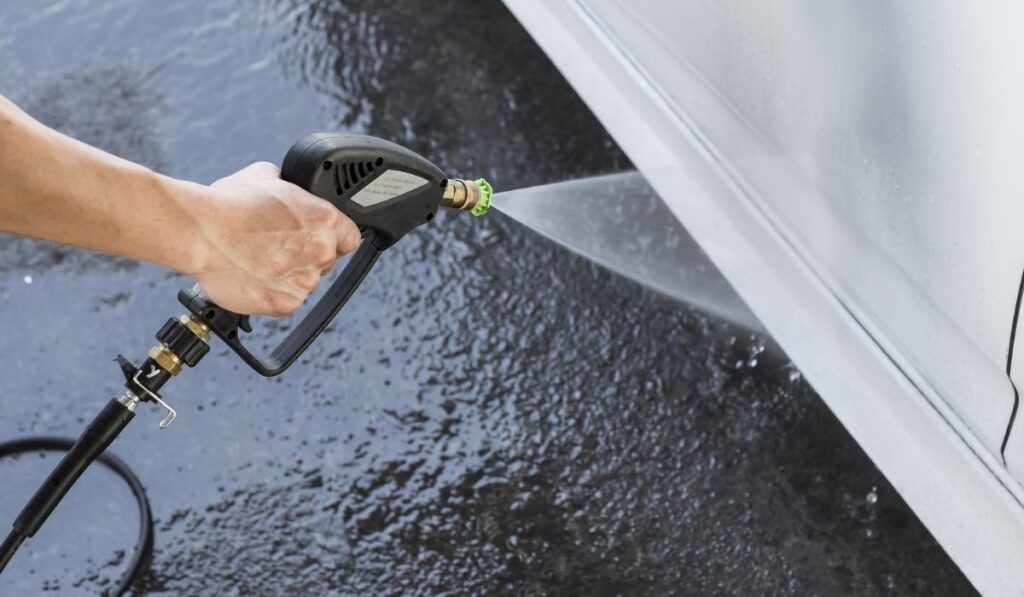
(165, 357)
(184, 341)
(466, 195)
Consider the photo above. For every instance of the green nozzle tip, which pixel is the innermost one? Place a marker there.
(484, 203)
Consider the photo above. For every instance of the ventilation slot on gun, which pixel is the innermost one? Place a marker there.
(348, 176)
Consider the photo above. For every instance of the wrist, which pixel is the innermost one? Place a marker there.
(186, 249)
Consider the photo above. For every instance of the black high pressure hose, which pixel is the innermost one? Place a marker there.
(144, 543)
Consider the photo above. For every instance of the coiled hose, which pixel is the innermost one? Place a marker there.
(144, 543)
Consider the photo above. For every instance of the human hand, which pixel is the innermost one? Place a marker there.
(266, 242)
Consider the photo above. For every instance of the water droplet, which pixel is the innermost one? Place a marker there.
(872, 497)
(795, 375)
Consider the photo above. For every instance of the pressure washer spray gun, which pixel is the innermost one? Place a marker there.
(386, 189)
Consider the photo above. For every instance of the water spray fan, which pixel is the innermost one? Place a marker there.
(384, 188)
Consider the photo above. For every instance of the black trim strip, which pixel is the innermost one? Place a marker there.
(1009, 365)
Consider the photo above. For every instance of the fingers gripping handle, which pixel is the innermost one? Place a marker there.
(227, 325)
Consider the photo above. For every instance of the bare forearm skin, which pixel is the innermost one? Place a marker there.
(55, 188)
(255, 243)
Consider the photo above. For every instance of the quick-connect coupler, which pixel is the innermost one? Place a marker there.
(182, 341)
(472, 196)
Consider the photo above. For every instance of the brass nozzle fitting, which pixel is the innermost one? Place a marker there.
(460, 194)
(467, 195)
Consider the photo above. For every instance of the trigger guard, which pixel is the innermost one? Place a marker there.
(226, 324)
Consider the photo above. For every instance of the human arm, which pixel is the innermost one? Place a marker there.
(255, 244)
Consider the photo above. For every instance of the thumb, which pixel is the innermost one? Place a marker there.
(259, 171)
(256, 172)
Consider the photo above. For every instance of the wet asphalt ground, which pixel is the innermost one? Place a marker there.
(489, 415)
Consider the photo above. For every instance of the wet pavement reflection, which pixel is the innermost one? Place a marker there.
(490, 414)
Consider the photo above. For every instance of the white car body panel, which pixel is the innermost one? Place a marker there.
(852, 170)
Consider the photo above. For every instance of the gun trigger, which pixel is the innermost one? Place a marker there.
(245, 324)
